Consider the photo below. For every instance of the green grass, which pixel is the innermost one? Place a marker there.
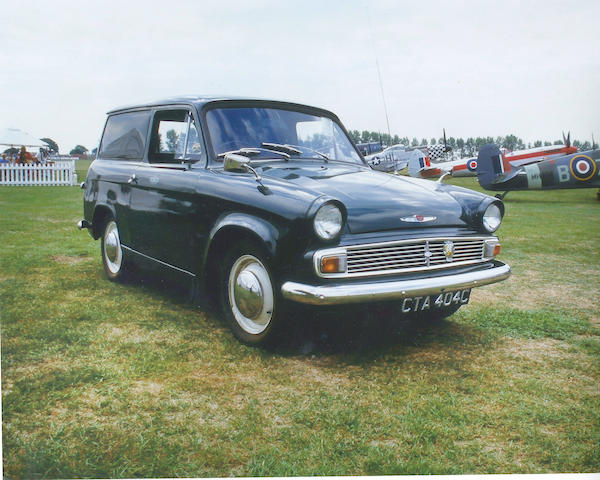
(81, 167)
(130, 380)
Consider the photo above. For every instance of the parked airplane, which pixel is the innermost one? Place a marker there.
(397, 157)
(466, 167)
(423, 167)
(538, 154)
(575, 170)
(391, 159)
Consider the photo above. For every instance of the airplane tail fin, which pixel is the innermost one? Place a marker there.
(491, 165)
(417, 162)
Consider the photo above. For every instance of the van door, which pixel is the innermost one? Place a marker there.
(164, 195)
(121, 152)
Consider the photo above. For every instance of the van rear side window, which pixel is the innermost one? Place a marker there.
(125, 136)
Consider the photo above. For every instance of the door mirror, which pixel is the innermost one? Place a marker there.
(239, 163)
(236, 163)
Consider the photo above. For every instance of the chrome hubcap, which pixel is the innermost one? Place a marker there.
(112, 247)
(248, 294)
(251, 294)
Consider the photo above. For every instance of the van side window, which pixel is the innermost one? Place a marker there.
(125, 136)
(174, 137)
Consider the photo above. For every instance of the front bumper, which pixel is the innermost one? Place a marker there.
(344, 293)
(81, 224)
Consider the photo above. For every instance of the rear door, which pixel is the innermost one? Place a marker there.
(121, 152)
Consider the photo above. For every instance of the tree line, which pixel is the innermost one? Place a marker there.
(53, 147)
(466, 148)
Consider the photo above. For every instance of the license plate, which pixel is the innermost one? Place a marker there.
(434, 302)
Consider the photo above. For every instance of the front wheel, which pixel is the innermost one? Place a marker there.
(112, 253)
(248, 296)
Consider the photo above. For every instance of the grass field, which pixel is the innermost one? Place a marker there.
(131, 380)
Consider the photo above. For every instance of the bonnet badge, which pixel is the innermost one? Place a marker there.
(418, 219)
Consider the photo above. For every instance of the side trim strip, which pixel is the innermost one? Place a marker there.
(157, 261)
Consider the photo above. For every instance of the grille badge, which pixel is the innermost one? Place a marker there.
(418, 219)
(449, 250)
(427, 254)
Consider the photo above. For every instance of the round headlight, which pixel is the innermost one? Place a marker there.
(492, 218)
(328, 221)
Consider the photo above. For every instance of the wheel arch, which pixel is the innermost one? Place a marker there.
(234, 228)
(255, 228)
(101, 214)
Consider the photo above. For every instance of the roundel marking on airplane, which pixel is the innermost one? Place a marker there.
(582, 167)
(472, 165)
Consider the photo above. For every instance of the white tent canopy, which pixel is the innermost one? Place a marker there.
(13, 137)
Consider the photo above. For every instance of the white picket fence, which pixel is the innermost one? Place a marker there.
(54, 173)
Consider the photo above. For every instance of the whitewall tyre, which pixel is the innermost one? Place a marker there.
(249, 298)
(112, 252)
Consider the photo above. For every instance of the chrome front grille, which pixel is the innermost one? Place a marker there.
(408, 255)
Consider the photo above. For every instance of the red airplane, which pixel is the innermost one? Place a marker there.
(423, 168)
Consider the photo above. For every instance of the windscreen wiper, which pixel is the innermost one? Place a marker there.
(292, 150)
(279, 147)
(252, 152)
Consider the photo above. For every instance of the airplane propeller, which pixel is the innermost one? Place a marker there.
(446, 147)
(567, 140)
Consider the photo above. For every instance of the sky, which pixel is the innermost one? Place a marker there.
(475, 68)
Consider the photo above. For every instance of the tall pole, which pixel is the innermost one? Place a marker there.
(387, 120)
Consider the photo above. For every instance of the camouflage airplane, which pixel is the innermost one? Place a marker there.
(575, 170)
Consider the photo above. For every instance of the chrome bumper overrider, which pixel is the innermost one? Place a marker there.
(339, 294)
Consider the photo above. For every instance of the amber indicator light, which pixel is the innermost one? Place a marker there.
(330, 264)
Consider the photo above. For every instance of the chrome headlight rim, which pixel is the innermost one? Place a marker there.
(491, 216)
(328, 221)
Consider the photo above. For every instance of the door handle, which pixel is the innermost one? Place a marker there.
(132, 179)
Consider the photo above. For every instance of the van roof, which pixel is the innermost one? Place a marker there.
(201, 100)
